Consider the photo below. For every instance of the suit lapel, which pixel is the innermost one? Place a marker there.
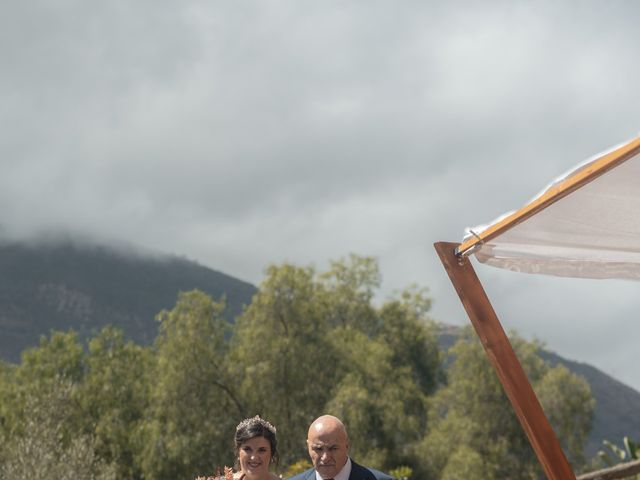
(358, 472)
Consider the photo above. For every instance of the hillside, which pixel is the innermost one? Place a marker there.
(63, 286)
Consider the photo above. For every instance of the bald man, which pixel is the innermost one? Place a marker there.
(328, 445)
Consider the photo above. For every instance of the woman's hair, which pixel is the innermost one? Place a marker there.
(257, 427)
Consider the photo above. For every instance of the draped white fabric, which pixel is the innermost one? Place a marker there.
(593, 232)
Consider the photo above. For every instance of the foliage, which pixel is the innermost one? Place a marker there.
(282, 354)
(297, 467)
(401, 473)
(314, 343)
(569, 406)
(114, 398)
(59, 358)
(45, 450)
(192, 403)
(465, 462)
(612, 454)
(382, 425)
(473, 426)
(309, 343)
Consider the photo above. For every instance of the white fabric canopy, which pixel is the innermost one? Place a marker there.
(592, 232)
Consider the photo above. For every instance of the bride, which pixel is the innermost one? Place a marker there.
(255, 449)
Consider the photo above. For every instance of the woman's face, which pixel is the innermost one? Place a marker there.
(255, 457)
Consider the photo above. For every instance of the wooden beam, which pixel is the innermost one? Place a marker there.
(501, 355)
(564, 188)
(622, 470)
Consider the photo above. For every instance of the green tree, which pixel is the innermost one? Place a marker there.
(283, 354)
(348, 288)
(384, 409)
(309, 343)
(114, 398)
(473, 411)
(58, 358)
(313, 343)
(411, 335)
(465, 463)
(192, 403)
(568, 404)
(400, 361)
(7, 402)
(45, 449)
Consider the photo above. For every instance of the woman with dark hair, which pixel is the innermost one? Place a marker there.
(256, 449)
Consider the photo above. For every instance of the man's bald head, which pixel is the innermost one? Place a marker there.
(328, 444)
(327, 424)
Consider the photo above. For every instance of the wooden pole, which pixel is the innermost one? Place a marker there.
(622, 470)
(501, 355)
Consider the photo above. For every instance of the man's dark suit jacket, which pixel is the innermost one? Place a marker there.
(358, 472)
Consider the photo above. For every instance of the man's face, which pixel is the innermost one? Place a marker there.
(329, 451)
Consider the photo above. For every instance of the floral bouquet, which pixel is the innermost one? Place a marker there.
(228, 475)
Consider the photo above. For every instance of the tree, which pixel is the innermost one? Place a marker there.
(45, 448)
(569, 406)
(313, 343)
(283, 354)
(400, 361)
(348, 288)
(193, 402)
(411, 335)
(464, 463)
(383, 407)
(473, 411)
(59, 358)
(7, 399)
(114, 397)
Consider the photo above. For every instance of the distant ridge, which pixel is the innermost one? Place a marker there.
(85, 287)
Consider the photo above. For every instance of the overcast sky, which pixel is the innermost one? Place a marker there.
(244, 133)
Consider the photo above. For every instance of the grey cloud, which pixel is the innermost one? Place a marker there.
(244, 133)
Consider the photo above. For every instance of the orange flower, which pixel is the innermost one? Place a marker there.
(228, 473)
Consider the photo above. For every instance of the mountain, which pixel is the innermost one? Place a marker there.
(85, 287)
(617, 405)
(66, 285)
